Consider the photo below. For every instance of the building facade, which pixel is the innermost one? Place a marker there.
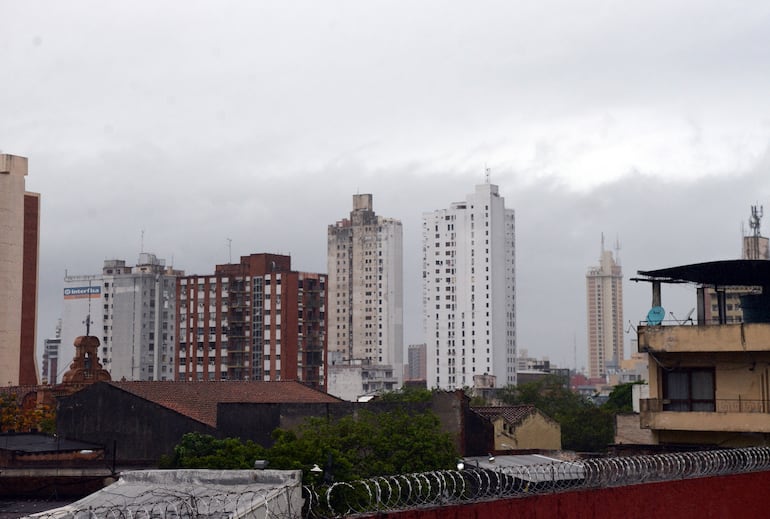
(709, 380)
(417, 362)
(132, 309)
(469, 291)
(19, 234)
(254, 320)
(365, 269)
(50, 368)
(604, 310)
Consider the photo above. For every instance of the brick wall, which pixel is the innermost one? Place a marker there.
(740, 495)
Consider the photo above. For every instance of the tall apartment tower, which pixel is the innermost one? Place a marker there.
(132, 309)
(253, 320)
(50, 368)
(469, 291)
(19, 233)
(604, 290)
(366, 308)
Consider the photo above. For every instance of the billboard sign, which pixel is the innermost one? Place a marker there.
(82, 292)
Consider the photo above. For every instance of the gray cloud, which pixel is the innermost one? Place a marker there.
(254, 122)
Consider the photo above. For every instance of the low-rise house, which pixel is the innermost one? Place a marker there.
(521, 427)
(709, 379)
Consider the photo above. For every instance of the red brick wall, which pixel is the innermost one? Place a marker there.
(741, 495)
(28, 363)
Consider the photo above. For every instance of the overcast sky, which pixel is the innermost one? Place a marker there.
(256, 121)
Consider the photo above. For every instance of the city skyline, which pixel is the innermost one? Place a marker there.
(258, 128)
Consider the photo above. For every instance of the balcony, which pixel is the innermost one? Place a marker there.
(728, 415)
(741, 337)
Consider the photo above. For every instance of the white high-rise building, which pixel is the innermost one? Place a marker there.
(366, 309)
(469, 291)
(132, 312)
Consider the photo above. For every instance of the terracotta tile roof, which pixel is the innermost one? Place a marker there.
(513, 414)
(199, 400)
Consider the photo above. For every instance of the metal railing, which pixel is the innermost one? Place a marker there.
(454, 487)
(720, 405)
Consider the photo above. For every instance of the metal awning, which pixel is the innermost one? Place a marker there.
(719, 273)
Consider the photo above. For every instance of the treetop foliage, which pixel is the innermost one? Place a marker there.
(367, 445)
(14, 417)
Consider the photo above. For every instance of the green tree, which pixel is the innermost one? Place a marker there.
(353, 447)
(407, 394)
(584, 426)
(196, 450)
(369, 444)
(621, 398)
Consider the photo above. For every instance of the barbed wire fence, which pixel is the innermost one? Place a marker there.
(472, 484)
(420, 490)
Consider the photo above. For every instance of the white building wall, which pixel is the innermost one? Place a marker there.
(132, 313)
(469, 291)
(365, 287)
(13, 169)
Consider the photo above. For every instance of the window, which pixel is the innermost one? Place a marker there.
(688, 389)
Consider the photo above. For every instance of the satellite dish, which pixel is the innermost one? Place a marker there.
(655, 315)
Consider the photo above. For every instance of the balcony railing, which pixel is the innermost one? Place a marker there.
(720, 405)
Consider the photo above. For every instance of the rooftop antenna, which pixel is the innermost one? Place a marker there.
(617, 249)
(229, 250)
(87, 322)
(487, 174)
(754, 224)
(755, 219)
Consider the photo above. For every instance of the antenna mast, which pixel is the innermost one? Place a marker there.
(754, 224)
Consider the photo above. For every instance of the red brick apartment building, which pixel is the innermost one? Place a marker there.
(254, 320)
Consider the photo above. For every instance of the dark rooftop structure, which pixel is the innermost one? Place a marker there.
(714, 273)
(749, 280)
(34, 443)
(199, 400)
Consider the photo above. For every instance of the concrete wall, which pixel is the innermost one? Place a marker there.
(697, 339)
(13, 169)
(629, 431)
(741, 495)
